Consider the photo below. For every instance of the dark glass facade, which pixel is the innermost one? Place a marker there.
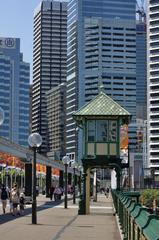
(14, 91)
(101, 48)
(49, 61)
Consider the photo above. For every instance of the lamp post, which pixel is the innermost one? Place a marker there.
(35, 141)
(21, 178)
(65, 161)
(74, 165)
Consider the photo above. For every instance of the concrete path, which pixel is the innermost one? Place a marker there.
(57, 223)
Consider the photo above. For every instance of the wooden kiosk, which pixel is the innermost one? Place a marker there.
(100, 120)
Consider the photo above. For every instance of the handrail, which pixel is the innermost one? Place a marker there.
(135, 221)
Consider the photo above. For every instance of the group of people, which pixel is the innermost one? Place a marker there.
(56, 192)
(15, 198)
(105, 191)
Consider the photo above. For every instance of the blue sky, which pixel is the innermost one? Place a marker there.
(16, 20)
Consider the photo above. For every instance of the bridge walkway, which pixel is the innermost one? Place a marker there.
(56, 223)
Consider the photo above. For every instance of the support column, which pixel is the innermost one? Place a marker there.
(88, 191)
(82, 201)
(76, 179)
(95, 186)
(79, 183)
(61, 180)
(118, 179)
(28, 179)
(69, 178)
(48, 180)
(76, 185)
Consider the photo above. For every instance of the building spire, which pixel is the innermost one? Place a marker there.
(100, 87)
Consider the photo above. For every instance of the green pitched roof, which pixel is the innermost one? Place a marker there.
(101, 105)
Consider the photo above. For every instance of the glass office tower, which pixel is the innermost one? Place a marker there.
(101, 49)
(49, 61)
(14, 91)
(141, 71)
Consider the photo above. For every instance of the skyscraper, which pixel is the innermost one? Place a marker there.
(49, 60)
(101, 48)
(14, 91)
(141, 71)
(141, 84)
(153, 84)
(56, 114)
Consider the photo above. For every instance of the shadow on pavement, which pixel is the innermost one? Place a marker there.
(4, 218)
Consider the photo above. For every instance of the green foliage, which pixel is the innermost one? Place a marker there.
(148, 195)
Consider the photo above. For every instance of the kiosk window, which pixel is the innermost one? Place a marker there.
(112, 131)
(102, 131)
(91, 131)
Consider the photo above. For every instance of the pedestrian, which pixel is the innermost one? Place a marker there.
(4, 196)
(57, 193)
(15, 199)
(69, 189)
(11, 205)
(37, 190)
(51, 191)
(107, 192)
(22, 203)
(61, 188)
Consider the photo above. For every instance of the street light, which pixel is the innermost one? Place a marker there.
(74, 166)
(35, 141)
(65, 161)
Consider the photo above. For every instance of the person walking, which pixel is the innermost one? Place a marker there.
(107, 192)
(51, 192)
(15, 199)
(11, 205)
(21, 203)
(57, 193)
(4, 196)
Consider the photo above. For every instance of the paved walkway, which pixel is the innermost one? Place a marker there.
(57, 223)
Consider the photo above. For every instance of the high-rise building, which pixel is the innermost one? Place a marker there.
(14, 91)
(141, 85)
(101, 48)
(49, 60)
(141, 71)
(56, 113)
(30, 109)
(153, 84)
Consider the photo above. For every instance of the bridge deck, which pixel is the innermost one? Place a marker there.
(57, 223)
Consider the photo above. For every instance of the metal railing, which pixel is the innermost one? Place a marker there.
(135, 221)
